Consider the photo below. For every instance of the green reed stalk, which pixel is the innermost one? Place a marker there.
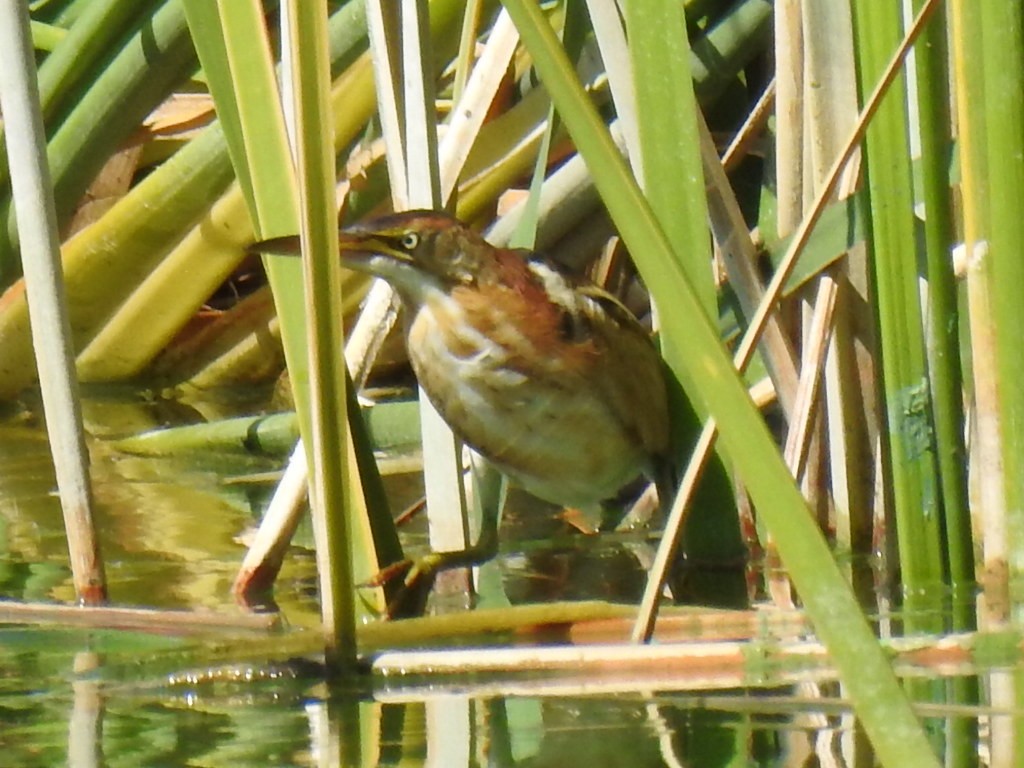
(943, 332)
(137, 78)
(243, 81)
(943, 321)
(332, 483)
(910, 465)
(673, 182)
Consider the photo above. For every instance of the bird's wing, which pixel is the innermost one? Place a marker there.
(639, 399)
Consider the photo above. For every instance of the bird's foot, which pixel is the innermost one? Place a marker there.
(412, 579)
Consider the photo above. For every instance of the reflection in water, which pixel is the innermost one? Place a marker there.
(171, 533)
(126, 701)
(85, 726)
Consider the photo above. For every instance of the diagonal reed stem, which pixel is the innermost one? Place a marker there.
(674, 526)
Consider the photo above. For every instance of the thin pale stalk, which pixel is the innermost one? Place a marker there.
(398, 38)
(816, 342)
(421, 159)
(51, 331)
(376, 320)
(471, 109)
(615, 53)
(853, 415)
(467, 46)
(830, 110)
(789, 117)
(830, 97)
(1002, 29)
(382, 23)
(266, 553)
(986, 470)
(740, 259)
(442, 452)
(1002, 689)
(751, 130)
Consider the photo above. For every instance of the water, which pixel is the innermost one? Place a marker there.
(293, 722)
(172, 533)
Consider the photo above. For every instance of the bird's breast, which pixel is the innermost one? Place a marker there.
(451, 355)
(521, 408)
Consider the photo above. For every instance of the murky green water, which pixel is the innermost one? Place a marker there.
(172, 533)
(60, 718)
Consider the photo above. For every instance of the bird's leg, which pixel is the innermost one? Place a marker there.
(418, 575)
(485, 548)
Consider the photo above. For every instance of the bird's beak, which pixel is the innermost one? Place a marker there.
(355, 243)
(288, 245)
(291, 245)
(356, 247)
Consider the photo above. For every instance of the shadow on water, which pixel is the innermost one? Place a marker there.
(172, 531)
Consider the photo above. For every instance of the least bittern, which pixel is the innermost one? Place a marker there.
(552, 380)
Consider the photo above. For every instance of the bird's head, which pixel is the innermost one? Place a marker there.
(415, 251)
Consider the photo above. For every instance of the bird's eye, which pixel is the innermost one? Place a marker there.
(410, 240)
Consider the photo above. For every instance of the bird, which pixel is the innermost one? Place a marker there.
(548, 377)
